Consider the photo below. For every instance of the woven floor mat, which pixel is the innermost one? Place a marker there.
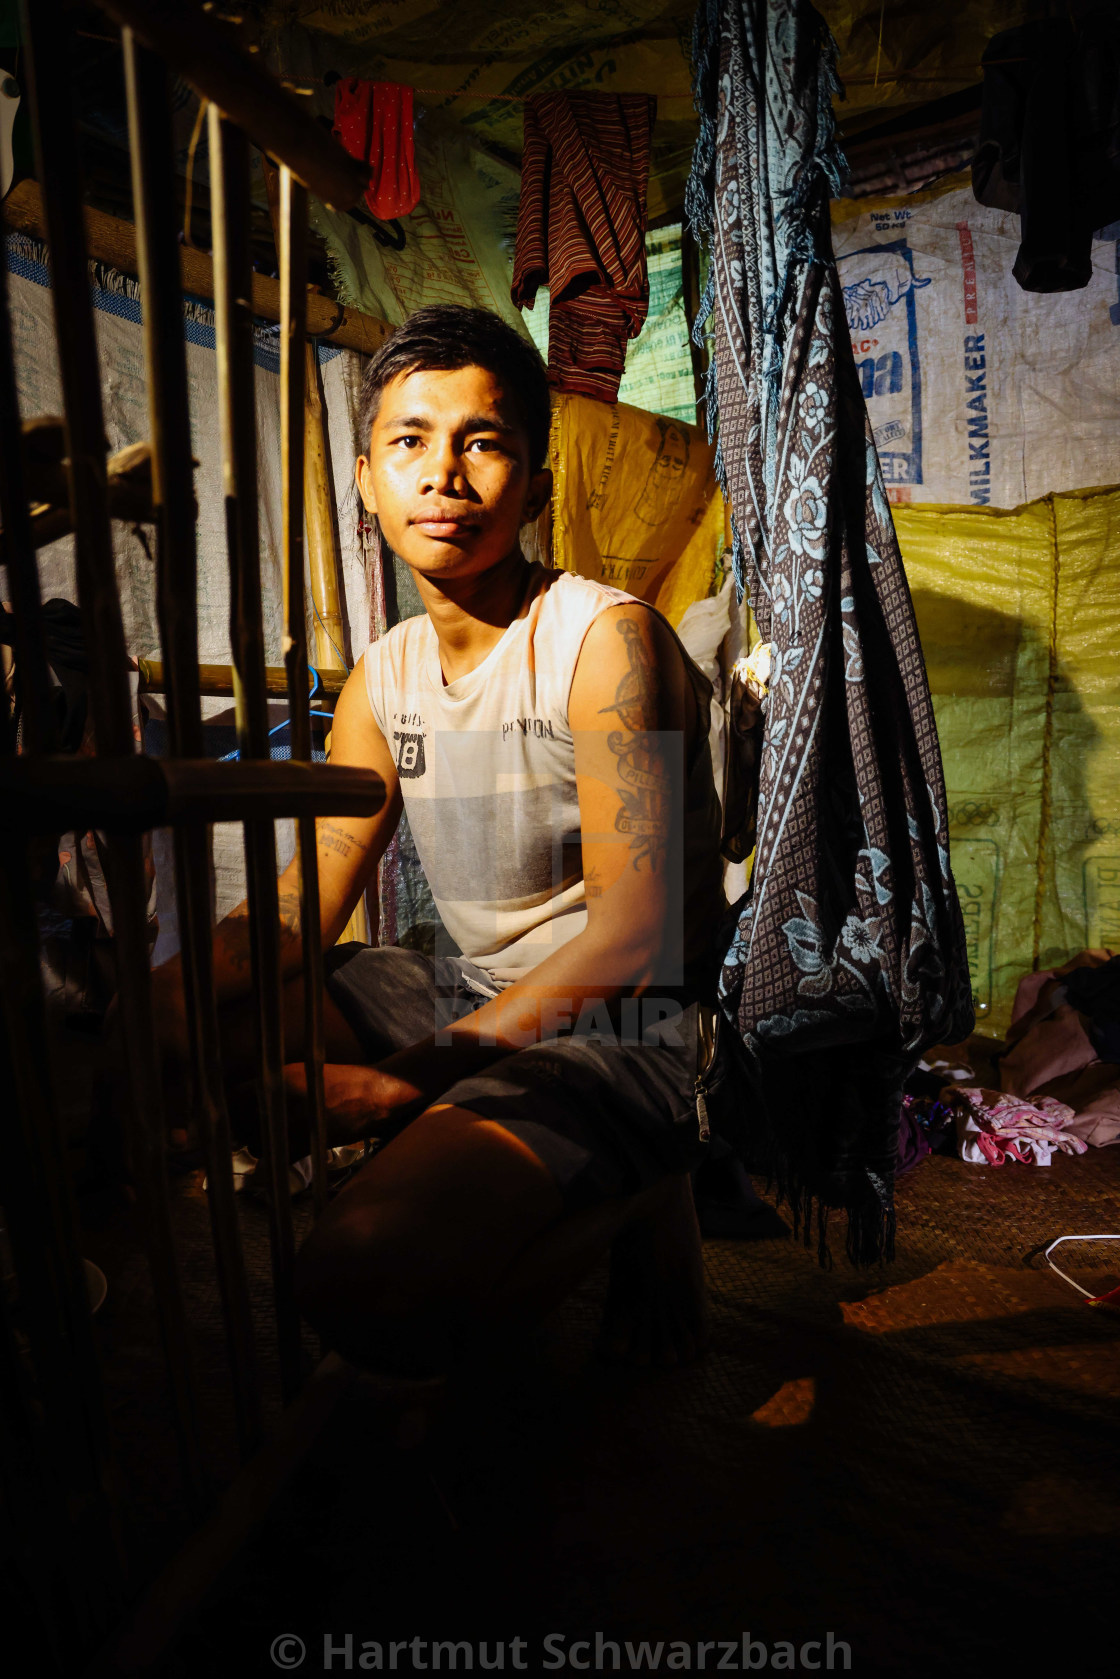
(923, 1459)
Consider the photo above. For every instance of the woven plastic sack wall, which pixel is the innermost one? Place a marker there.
(978, 392)
(1019, 614)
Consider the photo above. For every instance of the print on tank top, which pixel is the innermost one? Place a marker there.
(408, 744)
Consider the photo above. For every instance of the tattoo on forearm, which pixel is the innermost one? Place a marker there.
(591, 884)
(333, 837)
(644, 816)
(232, 941)
(289, 912)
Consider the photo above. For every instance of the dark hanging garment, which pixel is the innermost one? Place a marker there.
(1050, 142)
(581, 226)
(64, 645)
(849, 955)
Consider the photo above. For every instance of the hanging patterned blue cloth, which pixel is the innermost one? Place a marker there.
(849, 955)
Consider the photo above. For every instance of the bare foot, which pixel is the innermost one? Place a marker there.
(656, 1304)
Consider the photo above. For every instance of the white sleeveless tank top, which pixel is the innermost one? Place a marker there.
(487, 772)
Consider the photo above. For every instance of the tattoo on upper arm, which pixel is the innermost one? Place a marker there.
(644, 816)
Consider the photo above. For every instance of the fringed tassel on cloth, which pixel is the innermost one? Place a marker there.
(848, 957)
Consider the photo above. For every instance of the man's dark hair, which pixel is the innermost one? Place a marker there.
(447, 336)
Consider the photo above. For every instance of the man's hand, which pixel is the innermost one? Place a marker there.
(360, 1101)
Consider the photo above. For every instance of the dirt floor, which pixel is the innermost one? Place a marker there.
(921, 1461)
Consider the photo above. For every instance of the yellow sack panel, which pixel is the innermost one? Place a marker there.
(635, 502)
(1019, 614)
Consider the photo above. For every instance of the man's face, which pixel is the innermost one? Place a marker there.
(448, 472)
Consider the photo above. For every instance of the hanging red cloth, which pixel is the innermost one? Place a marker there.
(373, 120)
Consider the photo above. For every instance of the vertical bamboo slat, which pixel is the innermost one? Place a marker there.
(46, 33)
(55, 1448)
(322, 554)
(56, 1454)
(54, 1461)
(63, 1421)
(292, 220)
(154, 208)
(20, 563)
(322, 542)
(230, 201)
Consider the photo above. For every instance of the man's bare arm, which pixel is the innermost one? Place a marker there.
(348, 850)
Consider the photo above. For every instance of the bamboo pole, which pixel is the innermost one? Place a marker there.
(292, 247)
(46, 35)
(229, 187)
(17, 552)
(322, 540)
(62, 1420)
(128, 491)
(217, 680)
(321, 522)
(54, 1451)
(172, 494)
(322, 551)
(319, 514)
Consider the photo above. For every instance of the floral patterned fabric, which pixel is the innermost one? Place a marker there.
(848, 957)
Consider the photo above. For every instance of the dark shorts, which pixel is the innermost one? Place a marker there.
(608, 1107)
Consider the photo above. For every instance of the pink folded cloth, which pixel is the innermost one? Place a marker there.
(994, 1126)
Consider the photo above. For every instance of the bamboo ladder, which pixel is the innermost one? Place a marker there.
(56, 1473)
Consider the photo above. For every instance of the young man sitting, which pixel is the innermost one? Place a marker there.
(547, 736)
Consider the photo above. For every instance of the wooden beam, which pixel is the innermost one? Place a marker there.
(128, 484)
(131, 795)
(202, 52)
(113, 241)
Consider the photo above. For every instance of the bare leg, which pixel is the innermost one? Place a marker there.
(456, 1232)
